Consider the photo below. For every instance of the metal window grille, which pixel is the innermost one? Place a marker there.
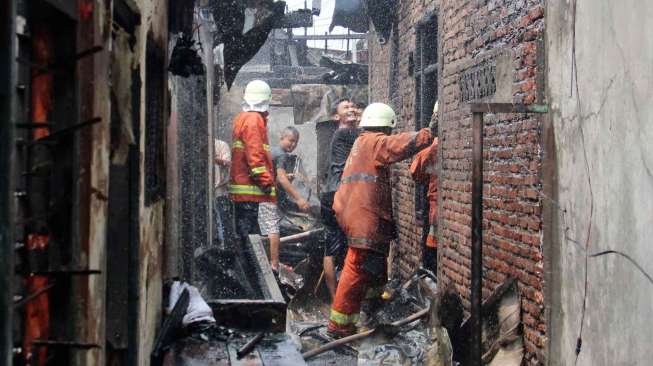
(426, 93)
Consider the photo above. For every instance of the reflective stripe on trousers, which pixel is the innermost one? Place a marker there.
(352, 290)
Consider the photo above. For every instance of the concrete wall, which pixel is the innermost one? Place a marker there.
(151, 259)
(601, 143)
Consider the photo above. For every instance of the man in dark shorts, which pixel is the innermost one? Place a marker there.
(343, 111)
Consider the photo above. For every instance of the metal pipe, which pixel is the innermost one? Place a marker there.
(477, 239)
(299, 237)
(342, 341)
(249, 346)
(7, 144)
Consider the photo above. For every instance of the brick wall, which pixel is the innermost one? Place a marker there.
(472, 32)
(407, 255)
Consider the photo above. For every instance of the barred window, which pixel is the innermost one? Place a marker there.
(426, 93)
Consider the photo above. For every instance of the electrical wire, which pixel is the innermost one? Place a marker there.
(629, 258)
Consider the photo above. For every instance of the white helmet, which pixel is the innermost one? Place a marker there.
(378, 115)
(257, 94)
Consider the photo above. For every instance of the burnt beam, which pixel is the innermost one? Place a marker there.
(72, 129)
(65, 344)
(7, 157)
(88, 52)
(33, 126)
(68, 272)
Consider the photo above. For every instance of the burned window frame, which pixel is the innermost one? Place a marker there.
(426, 75)
(154, 148)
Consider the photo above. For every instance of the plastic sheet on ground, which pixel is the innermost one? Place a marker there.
(198, 310)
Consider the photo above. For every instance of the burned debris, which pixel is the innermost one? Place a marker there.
(222, 182)
(185, 60)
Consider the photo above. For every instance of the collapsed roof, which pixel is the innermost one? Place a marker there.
(243, 26)
(355, 15)
(243, 30)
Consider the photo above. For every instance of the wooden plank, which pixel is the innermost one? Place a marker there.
(270, 284)
(93, 29)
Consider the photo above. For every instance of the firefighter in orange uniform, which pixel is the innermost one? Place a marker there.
(363, 207)
(252, 176)
(423, 170)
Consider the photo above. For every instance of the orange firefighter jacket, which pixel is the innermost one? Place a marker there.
(252, 176)
(423, 171)
(363, 202)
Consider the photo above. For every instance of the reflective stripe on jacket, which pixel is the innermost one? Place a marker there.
(252, 176)
(363, 203)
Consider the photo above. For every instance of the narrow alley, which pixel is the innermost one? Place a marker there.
(325, 182)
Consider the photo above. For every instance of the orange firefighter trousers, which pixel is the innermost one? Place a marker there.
(356, 284)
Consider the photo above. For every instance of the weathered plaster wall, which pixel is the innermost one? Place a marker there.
(154, 20)
(601, 116)
(92, 180)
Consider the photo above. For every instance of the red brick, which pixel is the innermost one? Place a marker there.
(536, 13)
(512, 161)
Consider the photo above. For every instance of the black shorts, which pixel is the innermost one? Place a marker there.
(335, 243)
(246, 214)
(335, 240)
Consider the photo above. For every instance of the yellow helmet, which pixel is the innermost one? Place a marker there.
(257, 92)
(378, 115)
